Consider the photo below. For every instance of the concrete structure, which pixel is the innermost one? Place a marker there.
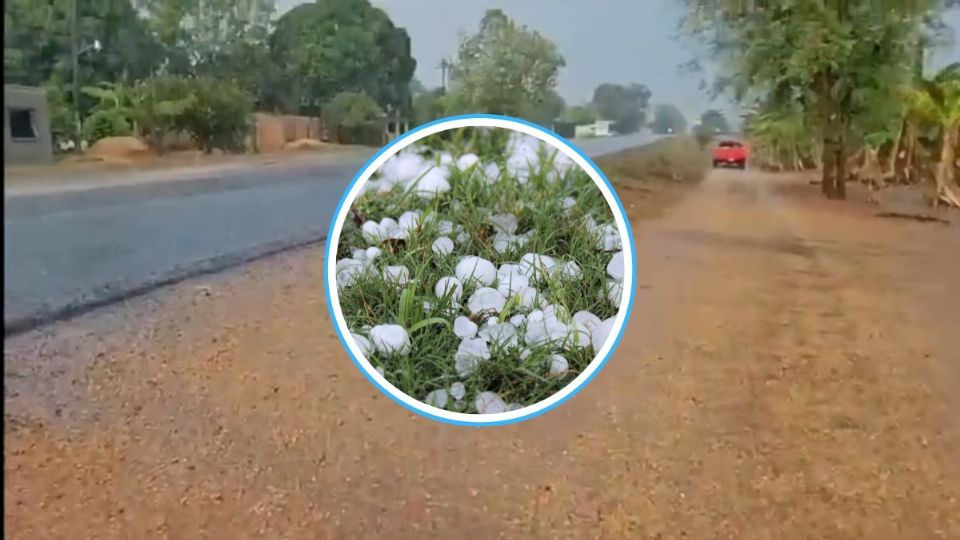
(600, 128)
(27, 138)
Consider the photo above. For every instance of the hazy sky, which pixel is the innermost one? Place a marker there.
(620, 41)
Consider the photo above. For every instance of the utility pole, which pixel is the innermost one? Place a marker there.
(75, 56)
(444, 66)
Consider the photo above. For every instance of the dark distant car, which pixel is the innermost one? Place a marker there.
(729, 153)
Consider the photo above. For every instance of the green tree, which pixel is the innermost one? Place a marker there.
(667, 118)
(218, 115)
(429, 105)
(504, 68)
(579, 115)
(714, 122)
(626, 106)
(334, 46)
(821, 54)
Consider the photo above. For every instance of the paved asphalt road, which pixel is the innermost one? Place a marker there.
(68, 252)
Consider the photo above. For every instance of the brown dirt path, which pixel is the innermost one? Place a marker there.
(788, 373)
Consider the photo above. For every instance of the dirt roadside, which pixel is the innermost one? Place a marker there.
(789, 372)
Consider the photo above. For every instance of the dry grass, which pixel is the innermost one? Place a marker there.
(669, 161)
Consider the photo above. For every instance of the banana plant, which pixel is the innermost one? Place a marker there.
(937, 101)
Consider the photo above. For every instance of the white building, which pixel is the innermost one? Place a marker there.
(600, 128)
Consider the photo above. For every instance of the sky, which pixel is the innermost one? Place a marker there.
(617, 41)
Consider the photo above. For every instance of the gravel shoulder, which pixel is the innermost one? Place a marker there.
(789, 372)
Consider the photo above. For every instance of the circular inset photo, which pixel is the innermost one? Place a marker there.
(480, 270)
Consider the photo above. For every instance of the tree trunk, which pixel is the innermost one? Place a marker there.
(829, 167)
(892, 169)
(945, 172)
(840, 187)
(907, 172)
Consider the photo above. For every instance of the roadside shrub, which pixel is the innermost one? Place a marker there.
(158, 105)
(219, 115)
(105, 123)
(62, 126)
(355, 118)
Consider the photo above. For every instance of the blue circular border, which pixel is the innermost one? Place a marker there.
(331, 254)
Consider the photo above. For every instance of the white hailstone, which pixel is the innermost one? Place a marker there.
(599, 334)
(543, 329)
(528, 297)
(390, 339)
(464, 328)
(443, 246)
(362, 343)
(348, 270)
(506, 223)
(371, 231)
(381, 371)
(489, 403)
(457, 390)
(558, 365)
(449, 285)
(513, 284)
(614, 291)
(390, 229)
(398, 275)
(366, 256)
(446, 227)
(402, 167)
(554, 311)
(568, 203)
(446, 159)
(534, 265)
(476, 268)
(615, 266)
(437, 398)
(491, 172)
(385, 185)
(587, 320)
(524, 354)
(518, 319)
(579, 335)
(409, 221)
(465, 364)
(466, 161)
(502, 242)
(513, 407)
(503, 334)
(507, 270)
(432, 183)
(476, 347)
(471, 352)
(486, 299)
(566, 270)
(591, 224)
(462, 237)
(608, 238)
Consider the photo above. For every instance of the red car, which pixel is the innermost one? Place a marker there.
(730, 153)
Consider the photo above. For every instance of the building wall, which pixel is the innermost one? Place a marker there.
(37, 149)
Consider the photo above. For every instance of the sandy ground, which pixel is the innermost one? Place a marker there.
(789, 372)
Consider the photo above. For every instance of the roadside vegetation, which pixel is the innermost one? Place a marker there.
(840, 86)
(196, 70)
